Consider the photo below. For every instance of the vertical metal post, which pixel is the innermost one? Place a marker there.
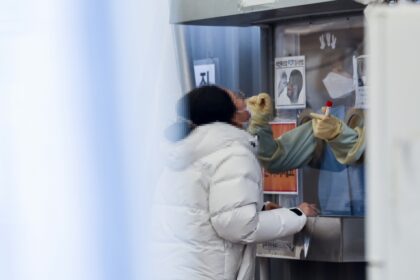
(184, 69)
(264, 267)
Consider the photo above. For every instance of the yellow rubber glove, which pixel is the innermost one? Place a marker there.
(326, 127)
(261, 108)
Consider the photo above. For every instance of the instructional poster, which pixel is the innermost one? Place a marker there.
(283, 182)
(289, 79)
(359, 73)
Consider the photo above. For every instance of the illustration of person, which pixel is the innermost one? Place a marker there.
(294, 86)
(282, 83)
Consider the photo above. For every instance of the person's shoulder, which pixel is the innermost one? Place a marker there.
(236, 154)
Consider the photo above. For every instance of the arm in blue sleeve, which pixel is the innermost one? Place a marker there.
(349, 145)
(293, 149)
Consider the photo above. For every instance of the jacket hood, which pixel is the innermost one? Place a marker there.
(204, 140)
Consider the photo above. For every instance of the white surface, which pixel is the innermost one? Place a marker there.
(82, 87)
(248, 3)
(393, 139)
(338, 85)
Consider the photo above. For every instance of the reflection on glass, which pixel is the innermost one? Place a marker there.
(328, 48)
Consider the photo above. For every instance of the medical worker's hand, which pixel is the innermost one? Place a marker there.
(326, 127)
(261, 108)
(309, 210)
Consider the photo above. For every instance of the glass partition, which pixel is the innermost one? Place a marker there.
(328, 54)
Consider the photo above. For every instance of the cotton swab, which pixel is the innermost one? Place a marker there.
(328, 106)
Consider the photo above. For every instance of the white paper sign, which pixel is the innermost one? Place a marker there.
(360, 81)
(289, 82)
(338, 85)
(361, 98)
(205, 74)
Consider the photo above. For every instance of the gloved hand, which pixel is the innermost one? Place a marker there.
(326, 127)
(310, 210)
(261, 108)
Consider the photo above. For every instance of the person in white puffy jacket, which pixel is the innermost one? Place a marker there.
(208, 207)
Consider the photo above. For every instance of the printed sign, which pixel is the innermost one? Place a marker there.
(360, 81)
(284, 182)
(290, 86)
(204, 73)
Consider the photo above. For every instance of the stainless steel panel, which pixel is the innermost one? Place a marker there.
(233, 13)
(329, 239)
(336, 239)
(186, 75)
(353, 239)
(325, 238)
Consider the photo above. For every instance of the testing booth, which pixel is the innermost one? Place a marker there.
(303, 53)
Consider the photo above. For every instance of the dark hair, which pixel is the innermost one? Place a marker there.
(203, 105)
(296, 78)
(206, 104)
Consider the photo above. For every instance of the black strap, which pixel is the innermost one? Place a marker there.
(297, 211)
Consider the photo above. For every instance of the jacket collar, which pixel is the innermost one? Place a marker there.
(205, 140)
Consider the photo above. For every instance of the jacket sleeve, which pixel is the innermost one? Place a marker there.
(293, 149)
(247, 225)
(349, 145)
(233, 201)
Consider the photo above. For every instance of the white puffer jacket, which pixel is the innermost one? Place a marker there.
(207, 211)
